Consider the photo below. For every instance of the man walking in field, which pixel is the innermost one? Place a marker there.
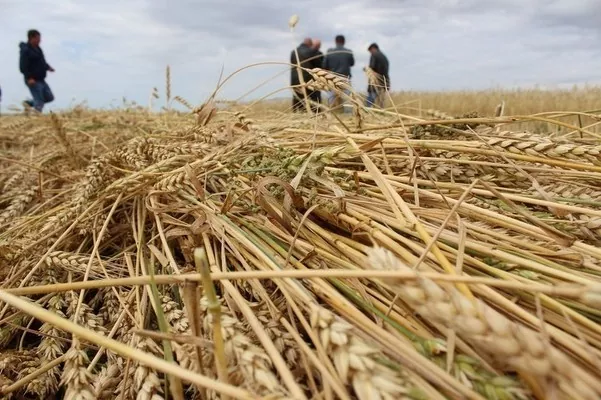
(305, 53)
(378, 78)
(34, 68)
(339, 60)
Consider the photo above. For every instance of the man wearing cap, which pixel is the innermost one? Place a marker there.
(378, 63)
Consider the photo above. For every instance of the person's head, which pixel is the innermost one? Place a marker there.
(308, 42)
(34, 37)
(339, 40)
(373, 48)
(316, 44)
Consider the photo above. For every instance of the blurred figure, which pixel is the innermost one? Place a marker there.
(317, 62)
(34, 67)
(339, 60)
(378, 64)
(305, 52)
(319, 58)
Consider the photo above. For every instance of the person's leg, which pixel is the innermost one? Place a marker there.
(296, 101)
(302, 101)
(47, 93)
(37, 92)
(331, 98)
(335, 101)
(315, 98)
(27, 104)
(380, 97)
(345, 101)
(370, 98)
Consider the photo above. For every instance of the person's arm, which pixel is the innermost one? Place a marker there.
(48, 67)
(24, 65)
(372, 62)
(352, 60)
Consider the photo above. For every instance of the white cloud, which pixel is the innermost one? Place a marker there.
(105, 50)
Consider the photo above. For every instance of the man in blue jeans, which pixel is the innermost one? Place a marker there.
(34, 67)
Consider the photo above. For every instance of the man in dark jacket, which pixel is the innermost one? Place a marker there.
(378, 63)
(34, 67)
(305, 54)
(339, 60)
(316, 62)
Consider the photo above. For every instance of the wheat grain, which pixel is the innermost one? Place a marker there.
(76, 378)
(354, 360)
(184, 102)
(328, 81)
(146, 382)
(248, 360)
(107, 381)
(510, 343)
(18, 205)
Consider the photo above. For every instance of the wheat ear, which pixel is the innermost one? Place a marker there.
(76, 377)
(355, 360)
(518, 347)
(249, 360)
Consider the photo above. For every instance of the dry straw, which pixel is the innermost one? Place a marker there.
(241, 251)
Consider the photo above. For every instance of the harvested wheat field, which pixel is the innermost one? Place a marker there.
(235, 254)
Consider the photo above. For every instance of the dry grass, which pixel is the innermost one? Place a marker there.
(250, 253)
(517, 102)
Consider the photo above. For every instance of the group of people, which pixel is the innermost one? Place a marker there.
(340, 61)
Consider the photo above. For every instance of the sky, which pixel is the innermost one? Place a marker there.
(107, 50)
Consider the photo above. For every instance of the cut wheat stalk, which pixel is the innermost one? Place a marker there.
(289, 209)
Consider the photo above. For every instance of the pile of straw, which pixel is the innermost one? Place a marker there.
(232, 255)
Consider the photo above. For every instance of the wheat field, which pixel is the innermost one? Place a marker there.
(431, 250)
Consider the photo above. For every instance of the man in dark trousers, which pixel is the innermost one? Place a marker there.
(378, 64)
(316, 62)
(305, 53)
(338, 60)
(34, 67)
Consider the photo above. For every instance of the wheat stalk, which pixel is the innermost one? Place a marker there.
(168, 86)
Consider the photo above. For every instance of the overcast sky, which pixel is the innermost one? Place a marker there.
(104, 50)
